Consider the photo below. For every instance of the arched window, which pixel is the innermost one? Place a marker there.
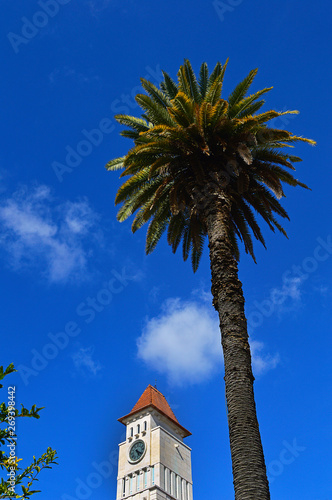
(138, 429)
(131, 431)
(145, 425)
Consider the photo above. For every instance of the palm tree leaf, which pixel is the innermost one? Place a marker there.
(175, 230)
(130, 134)
(115, 164)
(133, 122)
(219, 111)
(243, 230)
(132, 185)
(217, 74)
(251, 109)
(270, 115)
(156, 113)
(184, 104)
(187, 242)
(203, 79)
(187, 82)
(241, 89)
(169, 86)
(242, 105)
(197, 251)
(157, 227)
(250, 218)
(213, 94)
(157, 95)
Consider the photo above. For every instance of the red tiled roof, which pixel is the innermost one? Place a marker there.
(152, 397)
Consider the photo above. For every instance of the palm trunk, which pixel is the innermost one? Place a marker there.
(249, 470)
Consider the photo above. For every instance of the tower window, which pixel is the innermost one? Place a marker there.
(131, 484)
(138, 429)
(152, 475)
(138, 481)
(124, 487)
(184, 493)
(145, 479)
(172, 483)
(175, 486)
(131, 431)
(145, 425)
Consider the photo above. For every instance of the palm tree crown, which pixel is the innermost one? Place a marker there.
(191, 146)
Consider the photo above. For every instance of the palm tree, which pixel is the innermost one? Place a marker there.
(201, 166)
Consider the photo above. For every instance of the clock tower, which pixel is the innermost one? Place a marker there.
(154, 462)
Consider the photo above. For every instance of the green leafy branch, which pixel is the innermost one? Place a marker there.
(9, 463)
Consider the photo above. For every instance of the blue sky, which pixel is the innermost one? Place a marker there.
(88, 318)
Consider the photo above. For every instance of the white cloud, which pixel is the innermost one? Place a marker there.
(261, 363)
(37, 232)
(202, 295)
(84, 362)
(184, 343)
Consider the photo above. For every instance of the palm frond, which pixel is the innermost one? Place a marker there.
(252, 109)
(182, 105)
(243, 104)
(197, 251)
(169, 86)
(133, 122)
(203, 79)
(243, 230)
(157, 227)
(188, 83)
(214, 92)
(156, 113)
(217, 74)
(157, 95)
(241, 89)
(115, 164)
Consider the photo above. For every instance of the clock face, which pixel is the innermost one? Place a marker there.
(137, 450)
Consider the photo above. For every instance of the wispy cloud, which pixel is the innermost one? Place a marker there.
(262, 362)
(66, 72)
(37, 232)
(322, 290)
(84, 362)
(184, 343)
